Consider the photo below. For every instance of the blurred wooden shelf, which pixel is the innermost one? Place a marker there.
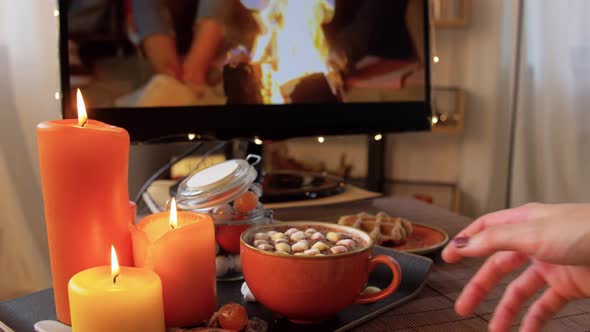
(448, 108)
(450, 13)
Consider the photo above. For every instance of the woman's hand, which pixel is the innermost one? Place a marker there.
(554, 239)
(162, 55)
(206, 43)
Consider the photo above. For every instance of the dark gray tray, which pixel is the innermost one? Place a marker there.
(22, 313)
(415, 270)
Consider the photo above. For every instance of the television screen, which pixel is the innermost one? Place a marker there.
(236, 68)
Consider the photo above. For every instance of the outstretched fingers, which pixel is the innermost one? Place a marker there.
(523, 237)
(489, 275)
(515, 296)
(511, 216)
(542, 310)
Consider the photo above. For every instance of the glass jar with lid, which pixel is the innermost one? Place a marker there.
(229, 194)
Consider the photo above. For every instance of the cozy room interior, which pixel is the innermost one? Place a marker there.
(497, 95)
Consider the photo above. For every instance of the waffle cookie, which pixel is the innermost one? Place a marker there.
(381, 227)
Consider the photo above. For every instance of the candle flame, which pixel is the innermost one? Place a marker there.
(173, 217)
(82, 116)
(114, 265)
(291, 44)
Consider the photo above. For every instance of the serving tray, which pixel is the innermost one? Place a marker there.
(22, 313)
(415, 270)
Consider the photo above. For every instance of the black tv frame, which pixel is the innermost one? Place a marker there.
(268, 122)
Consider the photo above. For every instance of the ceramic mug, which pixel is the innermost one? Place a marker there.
(311, 289)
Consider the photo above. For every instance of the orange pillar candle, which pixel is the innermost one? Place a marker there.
(180, 248)
(84, 179)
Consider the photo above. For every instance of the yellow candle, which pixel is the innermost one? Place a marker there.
(116, 299)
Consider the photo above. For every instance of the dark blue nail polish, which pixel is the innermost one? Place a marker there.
(461, 241)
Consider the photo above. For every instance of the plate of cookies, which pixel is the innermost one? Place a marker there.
(398, 233)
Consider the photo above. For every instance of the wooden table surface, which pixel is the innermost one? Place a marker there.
(433, 310)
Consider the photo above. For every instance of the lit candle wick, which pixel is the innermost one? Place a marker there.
(173, 217)
(82, 116)
(114, 265)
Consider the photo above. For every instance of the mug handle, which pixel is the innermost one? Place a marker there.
(393, 265)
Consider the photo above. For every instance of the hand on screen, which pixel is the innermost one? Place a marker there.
(162, 55)
(553, 239)
(206, 42)
(194, 73)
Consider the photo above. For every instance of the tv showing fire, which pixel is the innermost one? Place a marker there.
(249, 56)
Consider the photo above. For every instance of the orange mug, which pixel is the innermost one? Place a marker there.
(311, 289)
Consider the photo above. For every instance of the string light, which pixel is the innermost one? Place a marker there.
(56, 12)
(433, 46)
(378, 137)
(191, 136)
(257, 141)
(321, 139)
(434, 119)
(57, 95)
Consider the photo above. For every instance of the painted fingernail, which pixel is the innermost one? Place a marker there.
(461, 241)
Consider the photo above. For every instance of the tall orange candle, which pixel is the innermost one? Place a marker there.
(180, 248)
(84, 177)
